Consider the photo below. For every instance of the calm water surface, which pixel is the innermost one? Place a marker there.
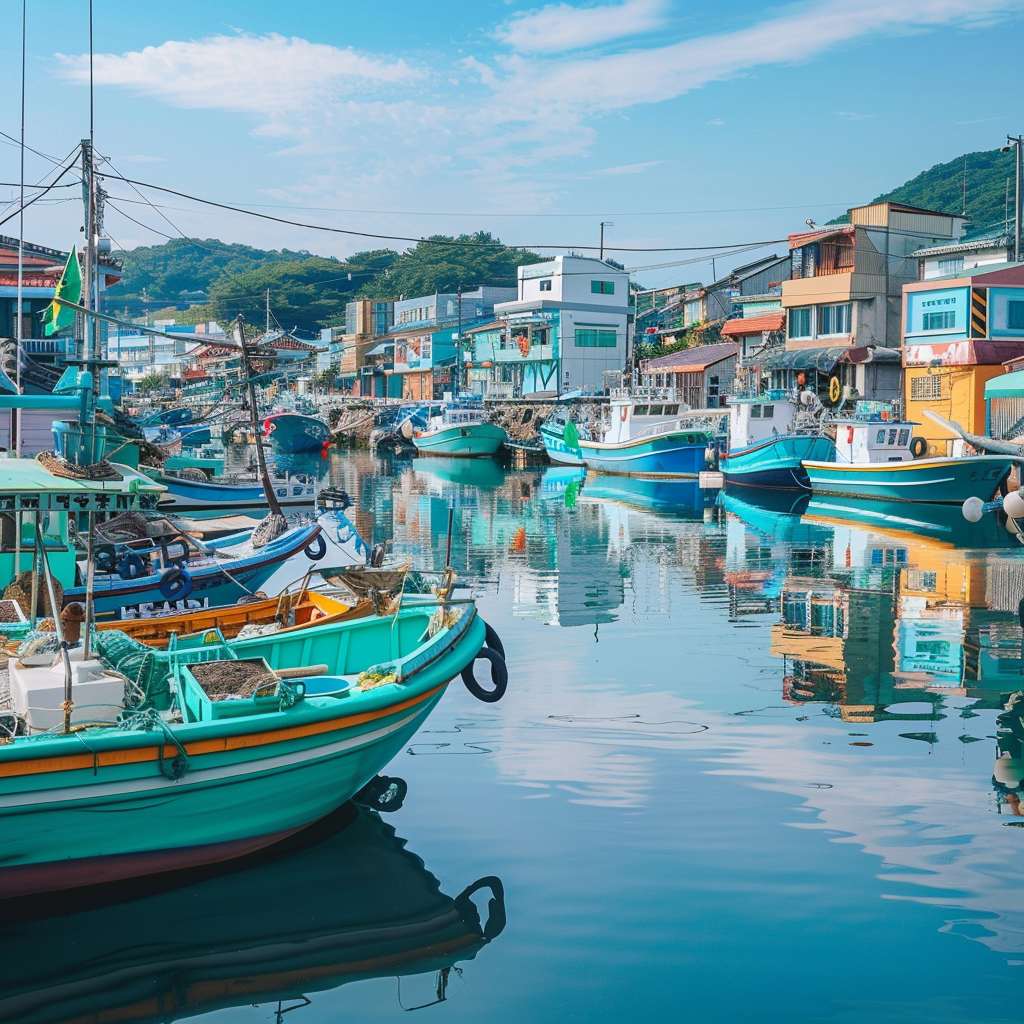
(752, 765)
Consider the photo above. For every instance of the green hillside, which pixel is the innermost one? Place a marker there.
(306, 291)
(941, 187)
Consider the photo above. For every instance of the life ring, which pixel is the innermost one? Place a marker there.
(175, 585)
(131, 566)
(623, 414)
(316, 548)
(835, 389)
(918, 447)
(499, 677)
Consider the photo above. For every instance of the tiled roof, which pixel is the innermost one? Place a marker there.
(754, 324)
(692, 360)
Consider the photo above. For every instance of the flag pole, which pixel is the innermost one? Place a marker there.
(19, 316)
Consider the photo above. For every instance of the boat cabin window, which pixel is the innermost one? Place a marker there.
(904, 437)
(655, 410)
(755, 412)
(769, 411)
(892, 436)
(671, 410)
(880, 437)
(640, 410)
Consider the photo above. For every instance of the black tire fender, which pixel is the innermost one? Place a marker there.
(175, 585)
(499, 677)
(316, 548)
(492, 640)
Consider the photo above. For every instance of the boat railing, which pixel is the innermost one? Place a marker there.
(644, 394)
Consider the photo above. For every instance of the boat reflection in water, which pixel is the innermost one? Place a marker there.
(485, 474)
(676, 498)
(351, 903)
(887, 609)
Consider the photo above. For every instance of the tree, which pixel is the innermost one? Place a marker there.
(152, 382)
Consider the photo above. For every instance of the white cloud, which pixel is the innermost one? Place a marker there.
(852, 115)
(560, 27)
(263, 75)
(716, 122)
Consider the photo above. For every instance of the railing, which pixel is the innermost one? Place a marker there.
(645, 394)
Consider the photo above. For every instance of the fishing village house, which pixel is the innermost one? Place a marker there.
(366, 320)
(702, 376)
(569, 324)
(959, 330)
(843, 299)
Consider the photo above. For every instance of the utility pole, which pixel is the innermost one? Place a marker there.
(458, 349)
(604, 224)
(268, 311)
(1016, 142)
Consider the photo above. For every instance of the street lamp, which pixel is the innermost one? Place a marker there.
(604, 224)
(1016, 142)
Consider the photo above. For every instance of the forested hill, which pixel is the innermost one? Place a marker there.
(942, 188)
(306, 291)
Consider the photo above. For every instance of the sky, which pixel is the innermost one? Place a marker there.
(682, 124)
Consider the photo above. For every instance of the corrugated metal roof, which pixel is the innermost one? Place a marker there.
(754, 324)
(690, 360)
(822, 359)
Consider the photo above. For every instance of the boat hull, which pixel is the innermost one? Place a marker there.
(558, 450)
(461, 441)
(776, 463)
(295, 434)
(195, 495)
(111, 813)
(222, 582)
(940, 481)
(675, 454)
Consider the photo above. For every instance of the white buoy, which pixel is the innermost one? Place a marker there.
(973, 509)
(1013, 505)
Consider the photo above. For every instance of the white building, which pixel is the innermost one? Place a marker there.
(142, 354)
(573, 316)
(976, 249)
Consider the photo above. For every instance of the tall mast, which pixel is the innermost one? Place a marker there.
(19, 313)
(254, 417)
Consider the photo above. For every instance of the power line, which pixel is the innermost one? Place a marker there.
(36, 198)
(434, 241)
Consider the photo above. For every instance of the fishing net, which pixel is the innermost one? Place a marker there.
(102, 470)
(20, 590)
(140, 664)
(269, 528)
(126, 526)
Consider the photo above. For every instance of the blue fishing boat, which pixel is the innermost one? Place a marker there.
(768, 443)
(644, 435)
(878, 457)
(561, 439)
(188, 495)
(293, 433)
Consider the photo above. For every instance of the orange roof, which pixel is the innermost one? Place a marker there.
(754, 324)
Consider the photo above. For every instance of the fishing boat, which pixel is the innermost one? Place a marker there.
(185, 494)
(561, 440)
(879, 457)
(769, 439)
(342, 902)
(645, 435)
(459, 433)
(293, 433)
(226, 747)
(219, 572)
(287, 612)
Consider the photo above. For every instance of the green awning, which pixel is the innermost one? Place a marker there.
(822, 359)
(1009, 385)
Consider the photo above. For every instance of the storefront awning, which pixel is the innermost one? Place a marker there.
(1009, 385)
(823, 360)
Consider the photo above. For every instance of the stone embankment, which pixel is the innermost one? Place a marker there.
(352, 419)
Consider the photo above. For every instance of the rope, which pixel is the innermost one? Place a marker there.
(148, 720)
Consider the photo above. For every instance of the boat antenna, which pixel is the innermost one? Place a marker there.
(268, 487)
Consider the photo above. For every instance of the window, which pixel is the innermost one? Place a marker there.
(951, 266)
(602, 287)
(942, 321)
(545, 286)
(800, 322)
(1015, 316)
(880, 437)
(834, 319)
(769, 412)
(589, 337)
(925, 389)
(904, 438)
(755, 412)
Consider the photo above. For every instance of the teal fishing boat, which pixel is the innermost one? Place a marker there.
(459, 433)
(212, 749)
(879, 458)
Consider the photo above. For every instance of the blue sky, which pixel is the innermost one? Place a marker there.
(685, 124)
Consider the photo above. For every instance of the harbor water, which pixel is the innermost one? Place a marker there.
(754, 763)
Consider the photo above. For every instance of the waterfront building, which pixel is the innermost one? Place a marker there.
(980, 248)
(958, 332)
(141, 354)
(570, 322)
(702, 376)
(843, 298)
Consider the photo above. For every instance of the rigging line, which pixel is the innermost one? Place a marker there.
(145, 199)
(16, 184)
(435, 241)
(34, 199)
